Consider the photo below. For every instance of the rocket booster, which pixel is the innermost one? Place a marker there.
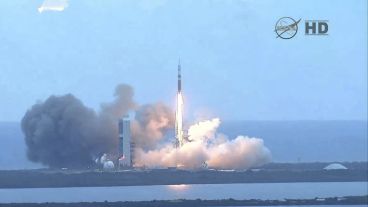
(179, 113)
(179, 77)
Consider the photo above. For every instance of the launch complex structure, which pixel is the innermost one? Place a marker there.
(126, 145)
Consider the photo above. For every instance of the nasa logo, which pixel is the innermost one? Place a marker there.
(286, 28)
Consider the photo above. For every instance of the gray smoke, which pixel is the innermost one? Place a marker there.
(62, 132)
(151, 123)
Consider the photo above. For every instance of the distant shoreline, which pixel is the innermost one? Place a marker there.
(347, 200)
(74, 178)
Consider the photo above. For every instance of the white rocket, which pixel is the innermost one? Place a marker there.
(179, 133)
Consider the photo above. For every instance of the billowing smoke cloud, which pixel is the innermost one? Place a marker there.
(150, 125)
(205, 148)
(62, 132)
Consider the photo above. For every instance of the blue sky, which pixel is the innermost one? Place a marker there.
(233, 65)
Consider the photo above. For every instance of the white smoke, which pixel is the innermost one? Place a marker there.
(203, 130)
(205, 147)
(53, 5)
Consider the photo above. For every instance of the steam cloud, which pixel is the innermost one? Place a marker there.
(62, 132)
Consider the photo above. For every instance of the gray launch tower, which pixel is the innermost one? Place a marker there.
(126, 147)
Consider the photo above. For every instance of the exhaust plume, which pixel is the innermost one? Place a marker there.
(205, 148)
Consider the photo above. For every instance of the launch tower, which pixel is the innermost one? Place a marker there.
(125, 158)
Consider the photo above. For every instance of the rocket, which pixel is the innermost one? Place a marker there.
(179, 134)
(179, 77)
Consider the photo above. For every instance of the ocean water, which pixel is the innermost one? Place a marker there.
(201, 191)
(288, 141)
(306, 141)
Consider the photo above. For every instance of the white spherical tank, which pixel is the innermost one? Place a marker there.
(108, 165)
